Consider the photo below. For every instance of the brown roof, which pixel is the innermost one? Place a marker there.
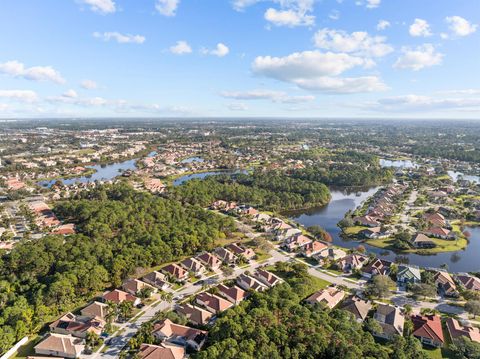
(95, 309)
(330, 296)
(194, 314)
(59, 343)
(170, 329)
(469, 282)
(358, 307)
(457, 330)
(211, 301)
(428, 326)
(118, 296)
(162, 351)
(234, 292)
(175, 270)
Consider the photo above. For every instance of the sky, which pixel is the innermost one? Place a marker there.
(240, 58)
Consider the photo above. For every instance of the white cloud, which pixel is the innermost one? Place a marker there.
(221, 50)
(89, 84)
(460, 26)
(237, 107)
(120, 38)
(418, 58)
(70, 94)
(180, 48)
(289, 18)
(420, 28)
(383, 24)
(372, 4)
(274, 96)
(359, 42)
(317, 71)
(334, 15)
(419, 103)
(167, 7)
(19, 95)
(101, 6)
(35, 73)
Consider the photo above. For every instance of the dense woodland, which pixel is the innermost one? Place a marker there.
(120, 231)
(277, 325)
(270, 191)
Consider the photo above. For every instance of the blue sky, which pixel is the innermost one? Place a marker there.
(292, 58)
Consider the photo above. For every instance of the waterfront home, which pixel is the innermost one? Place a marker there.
(133, 286)
(267, 278)
(175, 271)
(70, 324)
(376, 267)
(249, 283)
(233, 294)
(59, 345)
(330, 297)
(168, 331)
(313, 248)
(440, 232)
(408, 274)
(351, 262)
(194, 266)
(468, 282)
(435, 219)
(157, 279)
(445, 284)
(212, 302)
(428, 328)
(422, 241)
(391, 319)
(210, 260)
(366, 221)
(117, 296)
(195, 315)
(296, 241)
(374, 233)
(457, 330)
(358, 307)
(162, 351)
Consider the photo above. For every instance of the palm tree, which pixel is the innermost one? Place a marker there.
(112, 311)
(126, 308)
(167, 297)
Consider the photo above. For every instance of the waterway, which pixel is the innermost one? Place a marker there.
(343, 200)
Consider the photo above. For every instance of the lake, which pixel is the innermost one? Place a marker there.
(192, 159)
(398, 163)
(456, 175)
(343, 200)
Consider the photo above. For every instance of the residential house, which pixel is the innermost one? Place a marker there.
(70, 324)
(391, 319)
(194, 266)
(225, 255)
(284, 233)
(374, 233)
(195, 315)
(358, 307)
(210, 260)
(212, 302)
(330, 254)
(295, 241)
(367, 221)
(428, 328)
(162, 351)
(117, 296)
(330, 296)
(312, 248)
(351, 262)
(168, 331)
(262, 218)
(445, 284)
(133, 286)
(440, 232)
(267, 278)
(408, 274)
(233, 294)
(435, 219)
(457, 330)
(157, 279)
(59, 345)
(422, 241)
(247, 282)
(469, 282)
(175, 271)
(95, 310)
(376, 267)
(247, 253)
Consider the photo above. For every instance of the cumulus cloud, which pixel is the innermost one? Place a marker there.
(317, 71)
(19, 95)
(167, 7)
(180, 48)
(460, 26)
(35, 73)
(89, 84)
(274, 96)
(220, 50)
(383, 24)
(359, 42)
(418, 58)
(420, 28)
(70, 94)
(372, 4)
(419, 103)
(120, 38)
(101, 6)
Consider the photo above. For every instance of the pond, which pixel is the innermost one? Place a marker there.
(459, 175)
(398, 163)
(192, 159)
(343, 200)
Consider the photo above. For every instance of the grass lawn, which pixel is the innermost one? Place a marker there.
(353, 230)
(442, 245)
(27, 349)
(261, 256)
(318, 283)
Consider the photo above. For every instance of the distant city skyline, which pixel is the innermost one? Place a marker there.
(240, 58)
